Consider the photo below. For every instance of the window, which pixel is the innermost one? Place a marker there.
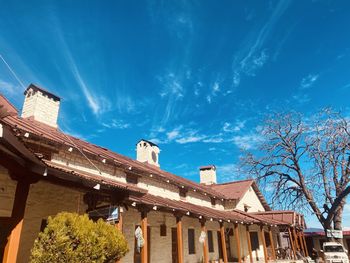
(131, 179)
(191, 244)
(254, 239)
(213, 201)
(183, 193)
(210, 241)
(162, 230)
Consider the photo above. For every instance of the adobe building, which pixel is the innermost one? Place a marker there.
(44, 171)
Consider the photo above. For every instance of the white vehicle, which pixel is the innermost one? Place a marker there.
(334, 253)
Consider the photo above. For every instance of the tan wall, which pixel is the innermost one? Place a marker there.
(154, 187)
(251, 199)
(45, 199)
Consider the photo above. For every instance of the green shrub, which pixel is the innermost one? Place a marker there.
(72, 238)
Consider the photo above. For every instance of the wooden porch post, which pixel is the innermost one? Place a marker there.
(292, 243)
(179, 239)
(18, 209)
(306, 250)
(302, 243)
(262, 236)
(249, 244)
(296, 240)
(223, 242)
(272, 244)
(119, 226)
(205, 244)
(238, 243)
(144, 249)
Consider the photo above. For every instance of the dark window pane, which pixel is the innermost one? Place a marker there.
(210, 241)
(191, 244)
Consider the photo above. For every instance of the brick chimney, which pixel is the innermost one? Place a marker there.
(41, 105)
(207, 174)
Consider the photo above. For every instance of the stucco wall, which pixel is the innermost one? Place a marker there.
(251, 199)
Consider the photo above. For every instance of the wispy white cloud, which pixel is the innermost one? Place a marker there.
(172, 85)
(237, 126)
(190, 138)
(97, 102)
(228, 172)
(308, 81)
(208, 99)
(248, 141)
(253, 55)
(116, 124)
(9, 88)
(301, 98)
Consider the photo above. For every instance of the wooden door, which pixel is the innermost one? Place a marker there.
(219, 245)
(254, 239)
(174, 254)
(228, 233)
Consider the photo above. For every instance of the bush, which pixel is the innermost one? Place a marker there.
(72, 238)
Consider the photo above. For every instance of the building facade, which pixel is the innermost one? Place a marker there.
(44, 171)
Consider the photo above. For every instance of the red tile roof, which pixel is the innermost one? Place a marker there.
(40, 131)
(236, 190)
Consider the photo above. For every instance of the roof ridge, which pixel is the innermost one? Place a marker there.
(235, 182)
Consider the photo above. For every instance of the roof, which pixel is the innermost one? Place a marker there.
(151, 143)
(44, 91)
(236, 190)
(287, 216)
(320, 232)
(6, 108)
(195, 210)
(207, 167)
(53, 136)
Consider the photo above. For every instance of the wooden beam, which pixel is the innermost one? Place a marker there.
(262, 237)
(18, 209)
(238, 244)
(297, 248)
(144, 249)
(292, 243)
(249, 244)
(223, 242)
(119, 226)
(272, 244)
(301, 243)
(205, 244)
(180, 258)
(304, 241)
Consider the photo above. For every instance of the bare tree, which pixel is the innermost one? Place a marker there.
(306, 164)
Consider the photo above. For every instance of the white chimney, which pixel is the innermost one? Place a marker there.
(41, 105)
(147, 152)
(207, 174)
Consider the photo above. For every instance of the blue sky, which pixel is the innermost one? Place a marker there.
(194, 76)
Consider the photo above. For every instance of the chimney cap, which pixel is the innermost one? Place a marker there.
(44, 91)
(208, 167)
(143, 140)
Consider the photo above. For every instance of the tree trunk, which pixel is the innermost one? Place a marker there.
(338, 218)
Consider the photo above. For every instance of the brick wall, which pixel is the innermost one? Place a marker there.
(45, 199)
(41, 107)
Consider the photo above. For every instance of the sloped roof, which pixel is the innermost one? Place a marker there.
(56, 137)
(236, 190)
(44, 91)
